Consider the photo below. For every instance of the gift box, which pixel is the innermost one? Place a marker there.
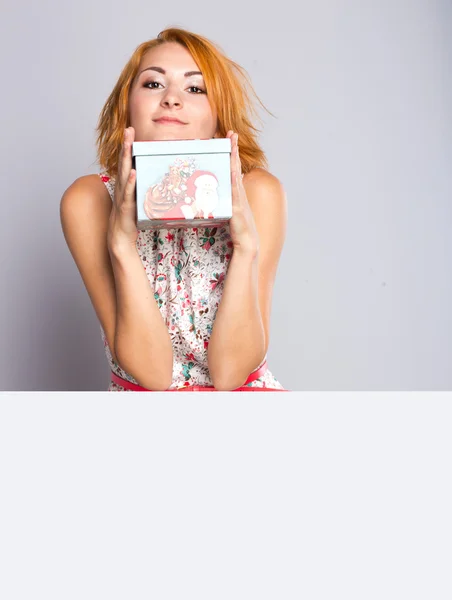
(182, 183)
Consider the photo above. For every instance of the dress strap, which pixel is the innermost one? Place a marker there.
(109, 183)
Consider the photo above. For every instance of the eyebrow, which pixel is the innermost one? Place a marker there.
(160, 70)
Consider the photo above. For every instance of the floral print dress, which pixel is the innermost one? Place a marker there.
(187, 269)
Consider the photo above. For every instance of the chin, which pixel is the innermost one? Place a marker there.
(169, 134)
(173, 136)
(164, 136)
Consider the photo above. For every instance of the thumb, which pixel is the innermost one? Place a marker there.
(129, 191)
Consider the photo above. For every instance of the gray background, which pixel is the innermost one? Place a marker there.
(362, 142)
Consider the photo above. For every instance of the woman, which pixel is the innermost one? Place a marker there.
(179, 309)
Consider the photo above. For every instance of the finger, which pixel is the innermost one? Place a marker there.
(130, 140)
(129, 191)
(234, 175)
(238, 161)
(126, 162)
(236, 172)
(119, 177)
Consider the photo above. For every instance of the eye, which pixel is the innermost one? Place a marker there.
(200, 91)
(151, 83)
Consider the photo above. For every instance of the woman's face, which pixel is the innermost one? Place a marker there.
(169, 86)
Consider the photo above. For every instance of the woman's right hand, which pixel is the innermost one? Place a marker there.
(122, 228)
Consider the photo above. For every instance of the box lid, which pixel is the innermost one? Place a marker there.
(181, 146)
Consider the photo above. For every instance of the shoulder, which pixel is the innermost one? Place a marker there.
(266, 196)
(262, 177)
(85, 192)
(85, 208)
(93, 185)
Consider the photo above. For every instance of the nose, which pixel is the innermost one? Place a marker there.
(171, 98)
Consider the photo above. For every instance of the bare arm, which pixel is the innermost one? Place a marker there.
(104, 250)
(240, 334)
(142, 342)
(237, 344)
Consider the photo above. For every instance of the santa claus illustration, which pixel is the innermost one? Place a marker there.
(202, 189)
(186, 197)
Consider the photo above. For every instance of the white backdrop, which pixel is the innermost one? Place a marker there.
(362, 142)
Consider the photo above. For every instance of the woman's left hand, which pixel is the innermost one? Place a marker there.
(242, 227)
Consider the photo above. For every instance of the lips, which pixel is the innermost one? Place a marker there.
(169, 121)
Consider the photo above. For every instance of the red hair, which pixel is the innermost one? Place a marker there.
(228, 91)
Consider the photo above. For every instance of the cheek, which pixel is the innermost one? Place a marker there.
(205, 114)
(197, 104)
(139, 103)
(133, 106)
